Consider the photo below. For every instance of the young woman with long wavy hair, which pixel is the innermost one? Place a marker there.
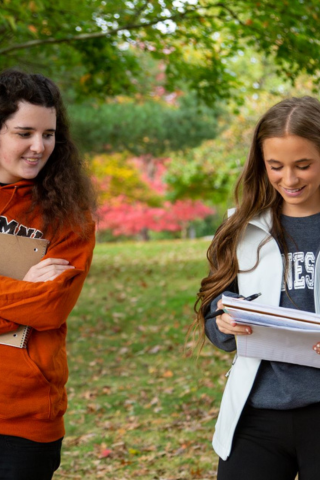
(44, 193)
(270, 412)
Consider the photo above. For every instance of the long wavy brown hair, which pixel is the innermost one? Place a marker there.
(253, 195)
(62, 190)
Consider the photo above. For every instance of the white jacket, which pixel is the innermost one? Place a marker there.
(267, 279)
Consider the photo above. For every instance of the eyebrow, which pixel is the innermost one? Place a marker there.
(297, 161)
(30, 128)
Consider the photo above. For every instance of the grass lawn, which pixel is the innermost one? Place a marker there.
(139, 407)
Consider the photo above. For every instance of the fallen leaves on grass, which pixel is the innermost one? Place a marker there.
(138, 407)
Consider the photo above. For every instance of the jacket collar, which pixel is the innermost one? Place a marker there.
(263, 220)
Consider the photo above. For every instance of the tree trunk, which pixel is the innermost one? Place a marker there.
(144, 235)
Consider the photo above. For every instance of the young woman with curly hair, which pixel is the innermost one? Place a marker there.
(43, 194)
(270, 413)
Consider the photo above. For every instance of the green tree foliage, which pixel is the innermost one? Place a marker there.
(207, 172)
(210, 171)
(95, 44)
(152, 127)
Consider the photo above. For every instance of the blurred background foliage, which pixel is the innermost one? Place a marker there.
(153, 127)
(92, 45)
(163, 95)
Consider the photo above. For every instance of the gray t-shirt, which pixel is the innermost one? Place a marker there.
(280, 385)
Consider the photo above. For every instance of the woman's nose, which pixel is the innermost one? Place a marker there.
(37, 144)
(290, 178)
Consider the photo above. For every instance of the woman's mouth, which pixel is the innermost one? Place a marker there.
(293, 192)
(32, 160)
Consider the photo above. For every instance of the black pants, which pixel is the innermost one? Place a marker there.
(22, 459)
(275, 445)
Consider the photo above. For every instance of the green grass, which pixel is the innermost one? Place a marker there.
(138, 405)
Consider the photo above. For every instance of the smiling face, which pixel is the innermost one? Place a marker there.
(293, 169)
(27, 140)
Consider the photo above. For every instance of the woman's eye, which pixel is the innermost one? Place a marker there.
(24, 135)
(28, 134)
(304, 168)
(276, 168)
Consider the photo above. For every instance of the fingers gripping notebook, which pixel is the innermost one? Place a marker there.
(278, 334)
(17, 256)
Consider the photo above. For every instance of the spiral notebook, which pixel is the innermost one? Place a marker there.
(17, 256)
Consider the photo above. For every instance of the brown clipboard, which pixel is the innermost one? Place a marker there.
(17, 255)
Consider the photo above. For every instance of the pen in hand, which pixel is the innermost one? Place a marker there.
(220, 311)
(252, 297)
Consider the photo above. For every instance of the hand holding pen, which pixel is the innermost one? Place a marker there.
(226, 323)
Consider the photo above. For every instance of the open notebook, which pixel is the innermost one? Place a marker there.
(17, 256)
(278, 334)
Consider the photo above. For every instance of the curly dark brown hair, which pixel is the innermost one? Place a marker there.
(62, 189)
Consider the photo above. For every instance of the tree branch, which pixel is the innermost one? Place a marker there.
(105, 34)
(87, 36)
(231, 12)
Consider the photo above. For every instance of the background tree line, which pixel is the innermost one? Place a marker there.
(162, 95)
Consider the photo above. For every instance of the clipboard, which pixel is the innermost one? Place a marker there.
(17, 255)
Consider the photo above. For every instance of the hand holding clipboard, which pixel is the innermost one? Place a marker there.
(17, 256)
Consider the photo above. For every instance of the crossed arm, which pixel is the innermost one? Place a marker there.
(50, 289)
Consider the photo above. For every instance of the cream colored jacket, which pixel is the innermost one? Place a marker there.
(267, 279)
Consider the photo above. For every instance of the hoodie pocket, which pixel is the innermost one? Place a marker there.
(24, 390)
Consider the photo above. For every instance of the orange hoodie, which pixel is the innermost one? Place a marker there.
(32, 380)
